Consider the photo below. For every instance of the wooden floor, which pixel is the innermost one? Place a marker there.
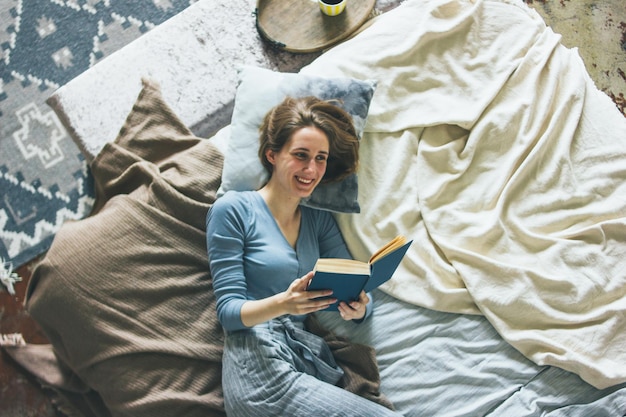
(20, 395)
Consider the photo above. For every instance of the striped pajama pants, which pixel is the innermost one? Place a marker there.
(279, 369)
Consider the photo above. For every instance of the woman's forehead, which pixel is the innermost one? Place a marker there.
(311, 138)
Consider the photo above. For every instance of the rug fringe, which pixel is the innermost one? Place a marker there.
(8, 277)
(12, 339)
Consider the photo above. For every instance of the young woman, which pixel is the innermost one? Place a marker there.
(262, 247)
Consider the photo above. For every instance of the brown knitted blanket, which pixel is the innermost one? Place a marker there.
(125, 295)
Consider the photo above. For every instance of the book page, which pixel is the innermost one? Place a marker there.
(394, 244)
(343, 266)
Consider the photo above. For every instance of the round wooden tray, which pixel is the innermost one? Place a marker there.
(300, 26)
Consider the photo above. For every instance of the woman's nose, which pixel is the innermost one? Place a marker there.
(311, 164)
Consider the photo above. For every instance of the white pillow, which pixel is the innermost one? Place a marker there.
(259, 90)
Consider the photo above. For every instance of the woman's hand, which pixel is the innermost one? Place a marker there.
(354, 310)
(297, 300)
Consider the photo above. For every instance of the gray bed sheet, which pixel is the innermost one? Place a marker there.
(442, 364)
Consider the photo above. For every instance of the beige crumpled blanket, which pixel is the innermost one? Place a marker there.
(125, 295)
(490, 146)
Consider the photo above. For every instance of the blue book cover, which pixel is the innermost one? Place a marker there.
(347, 277)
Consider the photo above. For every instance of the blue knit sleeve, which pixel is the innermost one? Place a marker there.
(226, 224)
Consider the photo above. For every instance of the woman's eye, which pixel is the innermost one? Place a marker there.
(322, 157)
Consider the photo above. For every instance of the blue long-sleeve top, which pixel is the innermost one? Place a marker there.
(250, 258)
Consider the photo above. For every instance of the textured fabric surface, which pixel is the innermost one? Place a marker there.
(292, 363)
(434, 363)
(124, 295)
(259, 90)
(488, 144)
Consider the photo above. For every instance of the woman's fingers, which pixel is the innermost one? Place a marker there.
(355, 310)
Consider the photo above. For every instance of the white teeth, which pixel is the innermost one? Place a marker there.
(304, 181)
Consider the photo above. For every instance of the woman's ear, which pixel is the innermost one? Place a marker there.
(270, 156)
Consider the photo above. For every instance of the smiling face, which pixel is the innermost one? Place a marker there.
(301, 163)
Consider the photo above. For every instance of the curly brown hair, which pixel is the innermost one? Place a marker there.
(292, 114)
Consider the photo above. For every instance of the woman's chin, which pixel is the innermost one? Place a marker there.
(305, 194)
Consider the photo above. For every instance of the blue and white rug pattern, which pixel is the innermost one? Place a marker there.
(44, 181)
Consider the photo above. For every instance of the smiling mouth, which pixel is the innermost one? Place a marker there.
(304, 180)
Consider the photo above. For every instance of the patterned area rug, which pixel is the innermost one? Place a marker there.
(44, 181)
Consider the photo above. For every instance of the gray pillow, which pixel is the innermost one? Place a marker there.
(261, 89)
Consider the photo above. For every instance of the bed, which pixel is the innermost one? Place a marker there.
(485, 141)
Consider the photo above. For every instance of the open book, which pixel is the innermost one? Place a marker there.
(348, 277)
